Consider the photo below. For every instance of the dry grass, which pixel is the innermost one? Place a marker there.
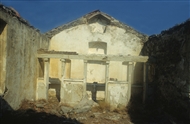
(26, 104)
(103, 106)
(64, 104)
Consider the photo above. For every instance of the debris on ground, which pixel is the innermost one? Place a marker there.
(52, 112)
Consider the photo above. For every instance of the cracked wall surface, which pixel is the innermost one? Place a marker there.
(20, 62)
(97, 37)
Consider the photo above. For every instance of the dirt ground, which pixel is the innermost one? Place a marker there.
(42, 112)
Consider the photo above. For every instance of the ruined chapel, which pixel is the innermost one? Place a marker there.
(95, 57)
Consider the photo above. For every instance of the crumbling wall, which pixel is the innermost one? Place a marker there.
(98, 36)
(171, 50)
(78, 39)
(22, 42)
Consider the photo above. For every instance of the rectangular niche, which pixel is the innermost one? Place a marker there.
(97, 47)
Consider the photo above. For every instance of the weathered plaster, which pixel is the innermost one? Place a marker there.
(118, 94)
(77, 39)
(22, 43)
(73, 93)
(100, 34)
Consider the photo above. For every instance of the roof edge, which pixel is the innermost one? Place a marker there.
(12, 12)
(84, 20)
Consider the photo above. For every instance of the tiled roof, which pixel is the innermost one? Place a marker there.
(11, 11)
(84, 20)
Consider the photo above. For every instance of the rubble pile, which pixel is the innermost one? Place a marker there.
(52, 112)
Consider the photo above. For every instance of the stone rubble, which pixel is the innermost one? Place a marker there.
(87, 111)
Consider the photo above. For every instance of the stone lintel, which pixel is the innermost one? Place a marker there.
(97, 57)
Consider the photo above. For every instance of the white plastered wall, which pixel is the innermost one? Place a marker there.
(76, 39)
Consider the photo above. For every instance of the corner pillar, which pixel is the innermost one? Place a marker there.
(46, 77)
(85, 76)
(62, 80)
(130, 71)
(106, 81)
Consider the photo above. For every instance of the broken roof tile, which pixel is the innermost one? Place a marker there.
(11, 11)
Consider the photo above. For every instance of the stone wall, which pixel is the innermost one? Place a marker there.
(18, 58)
(171, 77)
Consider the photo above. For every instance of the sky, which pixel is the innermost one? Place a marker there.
(146, 16)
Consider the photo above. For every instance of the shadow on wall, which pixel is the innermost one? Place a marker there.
(167, 93)
(144, 112)
(29, 116)
(137, 85)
